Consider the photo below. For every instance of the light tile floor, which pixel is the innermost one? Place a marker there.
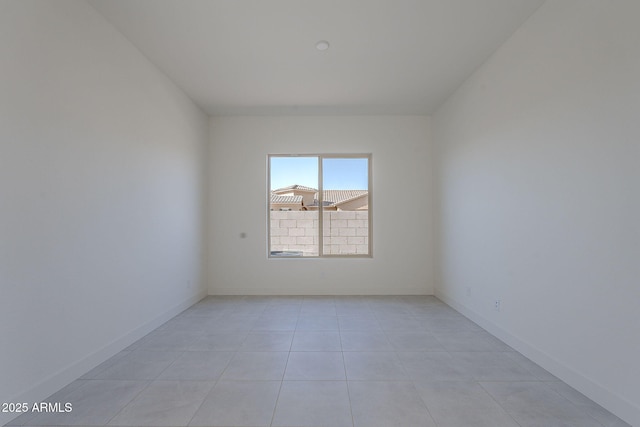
(321, 361)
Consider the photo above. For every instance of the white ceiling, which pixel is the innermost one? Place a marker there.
(259, 56)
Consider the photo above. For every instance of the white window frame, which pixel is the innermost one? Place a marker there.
(320, 157)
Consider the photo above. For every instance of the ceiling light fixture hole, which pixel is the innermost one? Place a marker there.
(322, 45)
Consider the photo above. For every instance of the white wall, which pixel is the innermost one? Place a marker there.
(102, 175)
(538, 205)
(402, 237)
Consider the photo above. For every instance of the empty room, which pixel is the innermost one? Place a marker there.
(296, 213)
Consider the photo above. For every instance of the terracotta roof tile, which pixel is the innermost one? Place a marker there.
(331, 197)
(341, 196)
(294, 187)
(336, 197)
(285, 199)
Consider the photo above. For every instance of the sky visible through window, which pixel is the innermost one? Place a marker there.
(338, 173)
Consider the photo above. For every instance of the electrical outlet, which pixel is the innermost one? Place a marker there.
(469, 292)
(496, 305)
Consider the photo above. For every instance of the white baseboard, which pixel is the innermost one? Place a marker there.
(74, 370)
(314, 292)
(614, 403)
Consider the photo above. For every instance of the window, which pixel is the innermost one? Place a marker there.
(319, 205)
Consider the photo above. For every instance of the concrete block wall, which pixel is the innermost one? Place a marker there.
(344, 232)
(295, 231)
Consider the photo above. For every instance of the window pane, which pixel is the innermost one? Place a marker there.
(346, 206)
(293, 210)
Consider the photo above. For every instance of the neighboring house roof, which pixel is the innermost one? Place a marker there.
(331, 197)
(295, 187)
(285, 199)
(336, 197)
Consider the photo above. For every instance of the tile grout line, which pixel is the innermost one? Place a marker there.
(275, 406)
(215, 383)
(130, 401)
(498, 403)
(346, 379)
